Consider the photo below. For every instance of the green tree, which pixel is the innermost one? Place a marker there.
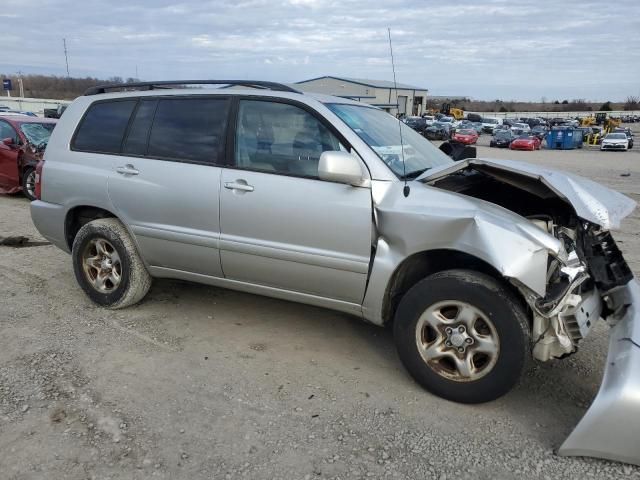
(606, 106)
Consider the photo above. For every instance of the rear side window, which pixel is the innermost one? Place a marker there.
(189, 129)
(103, 127)
(136, 142)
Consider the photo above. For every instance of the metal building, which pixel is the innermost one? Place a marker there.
(410, 100)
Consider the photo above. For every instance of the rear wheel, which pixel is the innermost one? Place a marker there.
(462, 335)
(29, 183)
(107, 265)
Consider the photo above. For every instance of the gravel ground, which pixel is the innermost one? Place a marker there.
(199, 382)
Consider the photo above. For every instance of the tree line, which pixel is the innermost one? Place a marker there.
(58, 88)
(68, 88)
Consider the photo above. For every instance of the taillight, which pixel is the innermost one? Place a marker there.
(38, 190)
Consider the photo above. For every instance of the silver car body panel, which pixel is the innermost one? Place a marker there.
(345, 276)
(433, 219)
(611, 425)
(591, 201)
(298, 234)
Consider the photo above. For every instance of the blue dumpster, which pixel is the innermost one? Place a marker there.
(564, 138)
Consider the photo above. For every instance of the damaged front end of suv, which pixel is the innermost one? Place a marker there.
(586, 279)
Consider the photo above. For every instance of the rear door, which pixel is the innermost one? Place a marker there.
(281, 225)
(9, 180)
(165, 183)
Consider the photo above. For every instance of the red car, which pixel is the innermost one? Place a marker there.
(22, 143)
(526, 142)
(466, 136)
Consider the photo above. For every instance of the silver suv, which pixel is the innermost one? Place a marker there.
(477, 264)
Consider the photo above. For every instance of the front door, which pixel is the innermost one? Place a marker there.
(9, 178)
(281, 226)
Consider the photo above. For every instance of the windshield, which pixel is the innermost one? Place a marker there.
(466, 132)
(37, 133)
(617, 136)
(381, 132)
(490, 120)
(503, 134)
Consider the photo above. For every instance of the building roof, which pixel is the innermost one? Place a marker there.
(368, 82)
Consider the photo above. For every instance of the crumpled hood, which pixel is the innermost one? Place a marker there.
(590, 200)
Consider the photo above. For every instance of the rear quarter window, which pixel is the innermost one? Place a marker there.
(103, 126)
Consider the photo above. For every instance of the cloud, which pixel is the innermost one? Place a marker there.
(489, 49)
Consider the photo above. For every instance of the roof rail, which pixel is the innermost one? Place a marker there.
(278, 87)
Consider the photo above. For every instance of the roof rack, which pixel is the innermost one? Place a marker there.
(278, 87)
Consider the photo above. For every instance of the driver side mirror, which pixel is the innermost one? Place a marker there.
(341, 167)
(9, 142)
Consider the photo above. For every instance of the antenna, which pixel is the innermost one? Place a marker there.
(406, 188)
(66, 59)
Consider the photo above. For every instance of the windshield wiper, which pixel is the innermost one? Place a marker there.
(414, 174)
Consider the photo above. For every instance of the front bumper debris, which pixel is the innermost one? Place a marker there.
(611, 426)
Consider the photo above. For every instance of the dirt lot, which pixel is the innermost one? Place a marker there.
(198, 382)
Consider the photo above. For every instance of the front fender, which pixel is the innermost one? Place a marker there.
(432, 219)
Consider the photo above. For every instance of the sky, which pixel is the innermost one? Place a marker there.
(484, 49)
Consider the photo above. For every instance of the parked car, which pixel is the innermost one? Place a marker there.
(521, 127)
(525, 141)
(22, 142)
(477, 264)
(489, 124)
(438, 131)
(615, 141)
(55, 112)
(429, 119)
(502, 127)
(539, 131)
(477, 126)
(474, 117)
(502, 139)
(417, 123)
(627, 131)
(466, 136)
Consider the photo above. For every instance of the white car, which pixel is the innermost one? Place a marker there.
(615, 141)
(489, 124)
(523, 127)
(429, 119)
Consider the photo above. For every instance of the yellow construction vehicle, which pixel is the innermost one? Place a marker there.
(456, 113)
(587, 121)
(608, 123)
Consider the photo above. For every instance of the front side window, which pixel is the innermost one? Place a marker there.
(280, 138)
(189, 129)
(103, 127)
(381, 132)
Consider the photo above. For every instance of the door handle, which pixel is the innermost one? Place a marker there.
(128, 169)
(243, 187)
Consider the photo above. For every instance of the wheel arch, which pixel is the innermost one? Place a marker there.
(424, 263)
(79, 216)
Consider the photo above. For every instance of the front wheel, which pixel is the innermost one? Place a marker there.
(462, 335)
(107, 264)
(29, 183)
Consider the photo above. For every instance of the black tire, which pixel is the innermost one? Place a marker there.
(28, 183)
(507, 322)
(113, 238)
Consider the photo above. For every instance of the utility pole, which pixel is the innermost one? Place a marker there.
(20, 84)
(66, 58)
